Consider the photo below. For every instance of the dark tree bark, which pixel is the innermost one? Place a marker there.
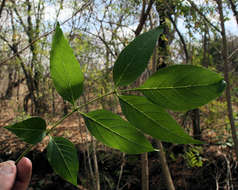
(181, 39)
(11, 85)
(233, 8)
(195, 116)
(2, 6)
(226, 75)
(144, 15)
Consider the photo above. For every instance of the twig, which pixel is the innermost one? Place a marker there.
(121, 171)
(201, 14)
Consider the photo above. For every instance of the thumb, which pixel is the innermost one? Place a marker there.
(24, 169)
(7, 175)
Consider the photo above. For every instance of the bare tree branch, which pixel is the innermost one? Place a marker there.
(144, 15)
(233, 8)
(44, 35)
(204, 17)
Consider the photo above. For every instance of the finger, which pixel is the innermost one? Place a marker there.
(7, 175)
(24, 169)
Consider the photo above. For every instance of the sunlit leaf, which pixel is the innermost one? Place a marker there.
(115, 132)
(65, 69)
(62, 156)
(31, 130)
(183, 87)
(133, 60)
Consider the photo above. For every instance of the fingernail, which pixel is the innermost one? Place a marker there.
(7, 168)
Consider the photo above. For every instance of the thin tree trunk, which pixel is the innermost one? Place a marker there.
(165, 167)
(90, 167)
(181, 39)
(143, 16)
(161, 62)
(226, 76)
(121, 171)
(95, 175)
(144, 172)
(65, 108)
(233, 8)
(1, 7)
(96, 171)
(195, 116)
(53, 100)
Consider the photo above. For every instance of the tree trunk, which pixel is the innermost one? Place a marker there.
(233, 8)
(94, 175)
(165, 167)
(195, 116)
(2, 6)
(226, 76)
(144, 172)
(161, 62)
(96, 171)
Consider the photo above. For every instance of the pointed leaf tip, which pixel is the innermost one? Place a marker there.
(133, 60)
(62, 156)
(153, 120)
(115, 132)
(64, 68)
(183, 87)
(31, 130)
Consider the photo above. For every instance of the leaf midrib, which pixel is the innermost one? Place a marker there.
(129, 64)
(65, 163)
(140, 111)
(113, 131)
(175, 87)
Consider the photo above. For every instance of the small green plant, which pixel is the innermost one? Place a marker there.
(193, 157)
(178, 87)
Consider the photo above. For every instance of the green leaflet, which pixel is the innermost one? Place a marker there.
(115, 132)
(62, 156)
(133, 60)
(31, 130)
(183, 87)
(153, 120)
(65, 69)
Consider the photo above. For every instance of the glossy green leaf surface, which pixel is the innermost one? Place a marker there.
(31, 130)
(153, 120)
(65, 69)
(62, 156)
(115, 132)
(183, 87)
(133, 60)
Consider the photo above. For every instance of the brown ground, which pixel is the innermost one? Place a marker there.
(218, 160)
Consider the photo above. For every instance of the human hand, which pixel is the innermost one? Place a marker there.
(14, 177)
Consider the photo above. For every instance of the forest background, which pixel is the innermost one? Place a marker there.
(200, 33)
